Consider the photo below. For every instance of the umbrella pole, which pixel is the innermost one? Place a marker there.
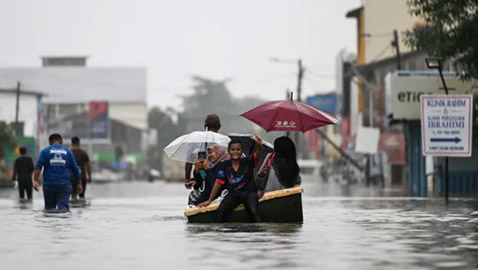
(205, 142)
(291, 97)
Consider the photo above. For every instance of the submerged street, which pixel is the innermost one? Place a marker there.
(139, 225)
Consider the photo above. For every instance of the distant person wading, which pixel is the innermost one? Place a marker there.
(83, 162)
(23, 168)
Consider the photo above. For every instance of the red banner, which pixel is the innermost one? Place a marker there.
(394, 146)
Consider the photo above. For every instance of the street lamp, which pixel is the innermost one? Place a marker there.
(436, 63)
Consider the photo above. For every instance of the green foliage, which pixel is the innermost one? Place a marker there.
(166, 129)
(211, 96)
(450, 31)
(208, 97)
(7, 138)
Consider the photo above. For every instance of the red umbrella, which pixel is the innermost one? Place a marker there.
(288, 115)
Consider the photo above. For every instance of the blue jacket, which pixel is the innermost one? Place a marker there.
(57, 161)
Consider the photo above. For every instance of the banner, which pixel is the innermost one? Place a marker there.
(326, 103)
(394, 146)
(99, 128)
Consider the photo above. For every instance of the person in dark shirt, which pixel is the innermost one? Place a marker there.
(56, 161)
(23, 168)
(83, 162)
(237, 174)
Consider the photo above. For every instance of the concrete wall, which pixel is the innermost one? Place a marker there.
(381, 17)
(80, 84)
(134, 114)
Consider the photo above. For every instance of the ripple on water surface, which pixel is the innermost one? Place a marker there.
(141, 226)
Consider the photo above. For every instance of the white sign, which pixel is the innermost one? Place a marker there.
(406, 92)
(447, 125)
(367, 140)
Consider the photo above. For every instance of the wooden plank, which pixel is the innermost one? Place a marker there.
(267, 196)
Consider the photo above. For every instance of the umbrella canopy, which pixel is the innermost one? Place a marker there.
(186, 147)
(288, 115)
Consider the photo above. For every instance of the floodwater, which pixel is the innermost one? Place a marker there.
(139, 225)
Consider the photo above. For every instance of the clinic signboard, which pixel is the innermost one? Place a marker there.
(447, 125)
(99, 120)
(407, 90)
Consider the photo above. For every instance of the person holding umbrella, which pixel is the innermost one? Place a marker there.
(237, 174)
(211, 123)
(216, 154)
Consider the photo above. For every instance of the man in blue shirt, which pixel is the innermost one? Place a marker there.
(56, 161)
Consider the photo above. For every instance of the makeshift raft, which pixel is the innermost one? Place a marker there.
(280, 206)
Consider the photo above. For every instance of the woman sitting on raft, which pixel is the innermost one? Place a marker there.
(205, 180)
(284, 170)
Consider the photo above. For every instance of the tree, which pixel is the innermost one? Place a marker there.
(7, 139)
(166, 129)
(213, 96)
(450, 31)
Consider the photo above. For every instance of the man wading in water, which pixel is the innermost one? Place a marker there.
(23, 168)
(238, 176)
(83, 162)
(56, 161)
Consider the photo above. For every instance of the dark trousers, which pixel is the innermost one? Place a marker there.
(57, 197)
(250, 202)
(25, 186)
(74, 185)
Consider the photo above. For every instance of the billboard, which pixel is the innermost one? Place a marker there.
(326, 103)
(406, 92)
(99, 128)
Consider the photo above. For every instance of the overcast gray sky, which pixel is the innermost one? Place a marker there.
(176, 39)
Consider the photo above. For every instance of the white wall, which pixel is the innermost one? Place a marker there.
(79, 84)
(133, 114)
(27, 111)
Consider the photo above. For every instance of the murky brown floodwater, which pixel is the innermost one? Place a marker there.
(137, 225)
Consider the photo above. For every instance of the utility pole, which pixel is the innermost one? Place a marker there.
(397, 48)
(17, 109)
(300, 76)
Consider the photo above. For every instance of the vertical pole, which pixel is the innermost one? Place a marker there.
(300, 75)
(368, 172)
(17, 109)
(446, 158)
(291, 97)
(446, 179)
(397, 48)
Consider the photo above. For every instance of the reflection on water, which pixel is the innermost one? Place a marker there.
(141, 226)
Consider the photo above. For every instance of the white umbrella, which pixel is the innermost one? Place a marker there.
(186, 147)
